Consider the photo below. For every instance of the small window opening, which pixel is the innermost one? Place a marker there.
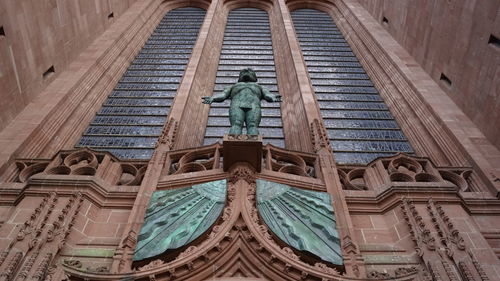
(445, 79)
(110, 16)
(2, 32)
(49, 72)
(494, 41)
(385, 21)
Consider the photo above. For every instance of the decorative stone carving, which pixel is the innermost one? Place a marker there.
(187, 252)
(168, 133)
(398, 273)
(400, 168)
(349, 246)
(290, 162)
(378, 275)
(244, 172)
(478, 267)
(28, 169)
(23, 273)
(441, 261)
(194, 160)
(274, 159)
(73, 263)
(43, 268)
(132, 173)
(243, 242)
(99, 269)
(41, 237)
(403, 271)
(324, 268)
(8, 273)
(82, 162)
(319, 136)
(449, 234)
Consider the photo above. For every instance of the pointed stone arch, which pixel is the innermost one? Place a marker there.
(239, 245)
(265, 5)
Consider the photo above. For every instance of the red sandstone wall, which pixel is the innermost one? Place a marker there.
(41, 34)
(451, 37)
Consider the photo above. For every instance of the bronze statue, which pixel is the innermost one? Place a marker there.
(245, 102)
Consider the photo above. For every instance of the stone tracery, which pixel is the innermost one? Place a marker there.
(112, 181)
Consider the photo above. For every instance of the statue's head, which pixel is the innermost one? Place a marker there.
(247, 75)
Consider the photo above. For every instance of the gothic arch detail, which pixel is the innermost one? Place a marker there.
(238, 245)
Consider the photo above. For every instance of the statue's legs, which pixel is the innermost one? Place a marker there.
(252, 120)
(236, 119)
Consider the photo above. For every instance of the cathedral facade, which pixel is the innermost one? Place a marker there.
(366, 169)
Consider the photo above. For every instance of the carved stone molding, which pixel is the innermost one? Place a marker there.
(388, 171)
(443, 253)
(275, 159)
(291, 162)
(243, 171)
(82, 162)
(168, 134)
(239, 242)
(319, 136)
(40, 239)
(193, 160)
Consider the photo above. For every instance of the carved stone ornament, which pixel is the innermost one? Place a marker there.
(81, 162)
(319, 136)
(194, 160)
(73, 263)
(130, 241)
(444, 259)
(401, 168)
(403, 271)
(291, 162)
(238, 242)
(152, 265)
(378, 275)
(168, 133)
(244, 172)
(99, 269)
(210, 158)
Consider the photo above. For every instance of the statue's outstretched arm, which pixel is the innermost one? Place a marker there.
(270, 97)
(218, 97)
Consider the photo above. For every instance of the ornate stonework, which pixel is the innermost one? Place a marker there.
(77, 214)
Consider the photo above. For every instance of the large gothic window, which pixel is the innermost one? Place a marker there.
(131, 119)
(247, 44)
(359, 123)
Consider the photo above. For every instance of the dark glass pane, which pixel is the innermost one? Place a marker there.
(351, 134)
(124, 130)
(132, 118)
(359, 124)
(122, 142)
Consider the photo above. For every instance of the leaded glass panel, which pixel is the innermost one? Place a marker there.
(359, 124)
(132, 118)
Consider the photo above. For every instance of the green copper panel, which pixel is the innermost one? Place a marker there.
(176, 217)
(301, 218)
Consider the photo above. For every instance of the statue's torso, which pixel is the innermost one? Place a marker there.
(246, 95)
